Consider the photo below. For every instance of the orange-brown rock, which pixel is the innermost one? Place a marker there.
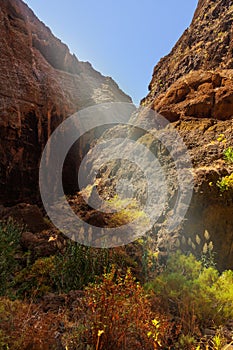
(199, 94)
(206, 45)
(29, 216)
(193, 88)
(41, 83)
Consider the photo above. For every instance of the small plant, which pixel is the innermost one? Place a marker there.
(186, 341)
(228, 155)
(150, 262)
(215, 342)
(9, 242)
(225, 183)
(126, 211)
(36, 280)
(208, 255)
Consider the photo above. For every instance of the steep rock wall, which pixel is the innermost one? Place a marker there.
(41, 84)
(192, 87)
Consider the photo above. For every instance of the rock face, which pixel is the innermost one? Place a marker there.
(192, 87)
(41, 84)
(27, 215)
(206, 45)
(200, 94)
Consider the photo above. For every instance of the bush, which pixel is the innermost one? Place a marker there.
(70, 270)
(228, 155)
(78, 266)
(37, 279)
(199, 297)
(116, 314)
(25, 326)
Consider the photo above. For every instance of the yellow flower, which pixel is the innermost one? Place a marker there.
(155, 323)
(100, 332)
(140, 241)
(221, 137)
(156, 255)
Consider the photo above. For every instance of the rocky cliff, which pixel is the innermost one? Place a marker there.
(206, 45)
(193, 88)
(41, 83)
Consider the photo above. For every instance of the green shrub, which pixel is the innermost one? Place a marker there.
(198, 296)
(78, 266)
(73, 269)
(228, 155)
(126, 212)
(9, 243)
(37, 279)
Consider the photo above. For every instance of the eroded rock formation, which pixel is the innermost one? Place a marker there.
(192, 87)
(41, 83)
(206, 45)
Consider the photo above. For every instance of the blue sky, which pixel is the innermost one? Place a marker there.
(123, 39)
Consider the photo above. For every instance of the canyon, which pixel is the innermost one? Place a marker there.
(192, 87)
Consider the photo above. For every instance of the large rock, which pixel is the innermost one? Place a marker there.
(41, 84)
(42, 244)
(199, 94)
(29, 216)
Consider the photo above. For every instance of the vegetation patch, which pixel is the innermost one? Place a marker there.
(225, 183)
(181, 298)
(228, 154)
